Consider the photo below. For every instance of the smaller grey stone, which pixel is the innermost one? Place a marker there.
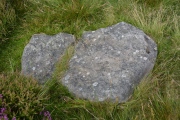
(42, 53)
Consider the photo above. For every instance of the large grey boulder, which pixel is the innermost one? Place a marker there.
(110, 62)
(42, 53)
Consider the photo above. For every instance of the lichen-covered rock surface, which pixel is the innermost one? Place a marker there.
(42, 53)
(110, 62)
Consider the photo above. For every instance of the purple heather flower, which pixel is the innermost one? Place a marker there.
(5, 117)
(2, 110)
(49, 118)
(1, 96)
(46, 114)
(14, 118)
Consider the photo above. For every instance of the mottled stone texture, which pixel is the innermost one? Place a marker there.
(41, 54)
(109, 62)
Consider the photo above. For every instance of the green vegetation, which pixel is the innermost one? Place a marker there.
(21, 96)
(157, 97)
(7, 20)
